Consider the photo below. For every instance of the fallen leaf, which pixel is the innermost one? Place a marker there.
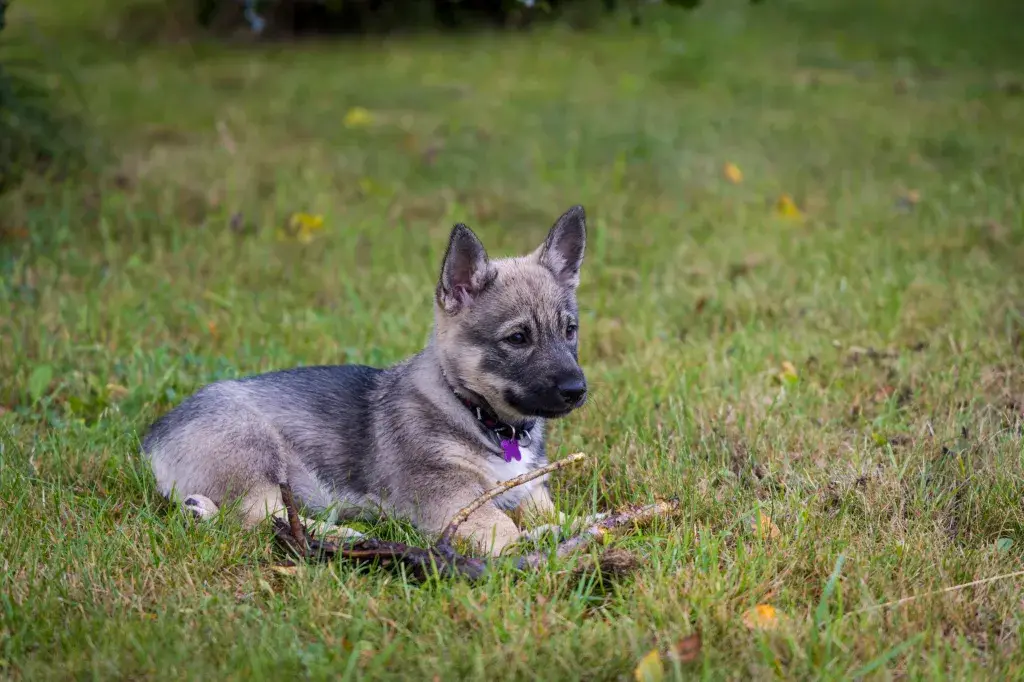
(787, 373)
(732, 173)
(358, 117)
(761, 617)
(116, 391)
(307, 224)
(763, 525)
(650, 668)
(687, 649)
(883, 393)
(302, 227)
(787, 208)
(288, 570)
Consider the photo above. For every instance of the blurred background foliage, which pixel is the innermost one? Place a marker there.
(40, 131)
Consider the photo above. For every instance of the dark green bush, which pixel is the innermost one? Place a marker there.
(290, 17)
(297, 17)
(36, 133)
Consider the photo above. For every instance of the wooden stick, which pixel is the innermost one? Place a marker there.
(294, 524)
(442, 557)
(446, 537)
(597, 530)
(422, 562)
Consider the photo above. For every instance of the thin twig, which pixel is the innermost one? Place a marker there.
(944, 590)
(505, 486)
(597, 530)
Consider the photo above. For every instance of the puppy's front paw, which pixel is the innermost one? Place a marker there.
(340, 533)
(491, 534)
(565, 526)
(199, 507)
(537, 532)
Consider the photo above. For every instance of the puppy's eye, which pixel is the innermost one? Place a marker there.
(517, 339)
(570, 331)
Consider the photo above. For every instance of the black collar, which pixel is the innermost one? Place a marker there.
(498, 430)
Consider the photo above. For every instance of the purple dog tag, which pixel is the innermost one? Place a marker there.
(511, 448)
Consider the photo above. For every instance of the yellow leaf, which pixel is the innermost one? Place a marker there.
(732, 173)
(763, 525)
(285, 570)
(302, 226)
(116, 391)
(307, 221)
(650, 668)
(787, 208)
(761, 617)
(357, 117)
(788, 373)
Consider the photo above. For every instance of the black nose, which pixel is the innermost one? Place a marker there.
(572, 390)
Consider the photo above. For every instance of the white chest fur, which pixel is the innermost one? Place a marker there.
(503, 471)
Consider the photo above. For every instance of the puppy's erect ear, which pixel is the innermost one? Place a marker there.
(465, 272)
(562, 251)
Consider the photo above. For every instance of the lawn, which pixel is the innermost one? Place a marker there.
(831, 339)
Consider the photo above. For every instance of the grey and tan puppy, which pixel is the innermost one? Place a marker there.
(418, 440)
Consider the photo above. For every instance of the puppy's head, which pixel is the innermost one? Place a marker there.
(506, 329)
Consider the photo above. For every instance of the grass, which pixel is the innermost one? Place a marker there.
(888, 453)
